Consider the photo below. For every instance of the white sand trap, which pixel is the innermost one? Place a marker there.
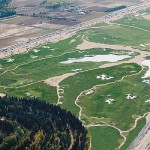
(146, 63)
(109, 100)
(130, 97)
(104, 77)
(32, 56)
(36, 50)
(147, 101)
(2, 94)
(97, 58)
(146, 81)
(10, 60)
(45, 46)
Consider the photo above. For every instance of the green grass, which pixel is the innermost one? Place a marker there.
(52, 50)
(116, 34)
(145, 11)
(49, 67)
(86, 80)
(2, 90)
(121, 111)
(101, 24)
(47, 64)
(134, 133)
(39, 90)
(135, 21)
(104, 138)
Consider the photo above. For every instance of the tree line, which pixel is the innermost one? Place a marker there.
(116, 8)
(37, 125)
(5, 10)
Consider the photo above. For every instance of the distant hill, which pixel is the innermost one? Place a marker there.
(36, 125)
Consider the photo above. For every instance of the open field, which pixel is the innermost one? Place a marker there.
(51, 55)
(20, 29)
(109, 96)
(45, 20)
(114, 34)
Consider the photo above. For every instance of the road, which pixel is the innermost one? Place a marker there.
(48, 37)
(140, 136)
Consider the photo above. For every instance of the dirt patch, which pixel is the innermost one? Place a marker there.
(54, 81)
(7, 29)
(147, 17)
(21, 36)
(73, 40)
(49, 25)
(2, 95)
(88, 45)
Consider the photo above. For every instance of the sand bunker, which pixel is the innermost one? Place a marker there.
(104, 77)
(109, 100)
(130, 97)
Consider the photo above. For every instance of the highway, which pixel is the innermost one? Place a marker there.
(140, 136)
(48, 37)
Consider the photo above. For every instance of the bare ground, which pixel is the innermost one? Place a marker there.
(54, 81)
(147, 17)
(2, 95)
(88, 45)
